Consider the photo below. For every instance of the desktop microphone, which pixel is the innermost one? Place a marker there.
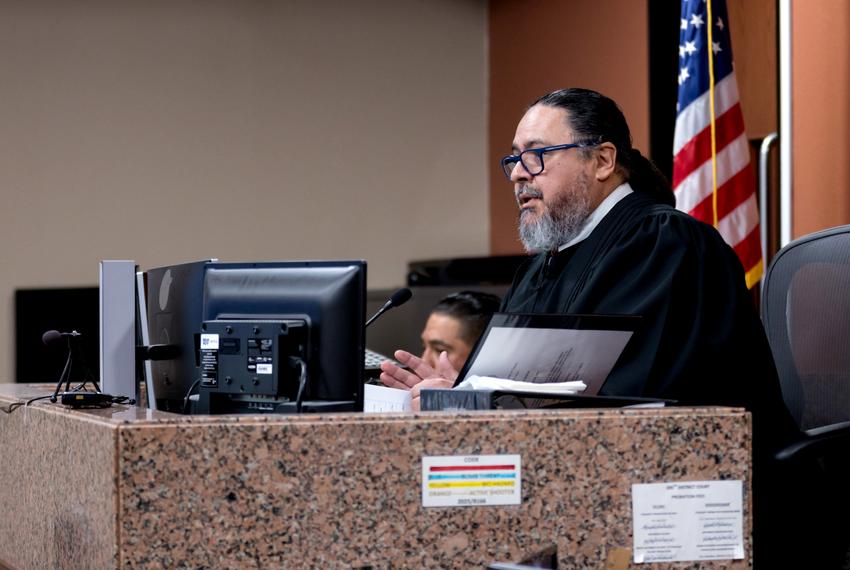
(397, 299)
(51, 337)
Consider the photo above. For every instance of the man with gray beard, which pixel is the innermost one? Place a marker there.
(608, 240)
(558, 224)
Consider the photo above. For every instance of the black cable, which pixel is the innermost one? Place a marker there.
(302, 383)
(188, 395)
(11, 407)
(113, 400)
(15, 405)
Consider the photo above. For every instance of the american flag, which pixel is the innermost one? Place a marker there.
(712, 175)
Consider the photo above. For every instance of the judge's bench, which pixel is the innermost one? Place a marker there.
(128, 487)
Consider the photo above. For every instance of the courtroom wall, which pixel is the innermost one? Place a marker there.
(537, 46)
(820, 105)
(167, 131)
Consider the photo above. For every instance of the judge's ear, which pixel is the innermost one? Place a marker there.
(606, 161)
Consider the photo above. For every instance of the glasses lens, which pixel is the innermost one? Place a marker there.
(508, 165)
(533, 162)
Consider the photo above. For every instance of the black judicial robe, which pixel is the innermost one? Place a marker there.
(700, 340)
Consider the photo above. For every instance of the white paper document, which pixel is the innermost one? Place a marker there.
(504, 385)
(540, 355)
(684, 521)
(378, 399)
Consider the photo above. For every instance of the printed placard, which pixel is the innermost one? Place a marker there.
(209, 359)
(264, 368)
(471, 480)
(689, 520)
(209, 341)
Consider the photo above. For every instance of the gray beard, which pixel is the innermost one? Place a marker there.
(560, 222)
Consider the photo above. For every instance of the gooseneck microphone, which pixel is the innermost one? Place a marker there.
(397, 299)
(79, 397)
(51, 337)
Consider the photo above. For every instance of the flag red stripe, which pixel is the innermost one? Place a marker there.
(700, 137)
(730, 195)
(749, 249)
(696, 151)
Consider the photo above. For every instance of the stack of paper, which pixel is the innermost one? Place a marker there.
(504, 385)
(377, 399)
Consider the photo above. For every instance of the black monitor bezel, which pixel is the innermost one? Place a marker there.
(336, 374)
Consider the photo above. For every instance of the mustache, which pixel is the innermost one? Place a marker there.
(526, 191)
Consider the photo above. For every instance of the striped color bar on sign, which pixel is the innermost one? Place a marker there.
(471, 480)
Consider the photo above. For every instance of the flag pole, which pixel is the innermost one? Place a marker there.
(709, 53)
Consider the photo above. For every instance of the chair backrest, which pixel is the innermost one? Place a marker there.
(806, 314)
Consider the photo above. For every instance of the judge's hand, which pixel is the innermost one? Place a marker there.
(420, 376)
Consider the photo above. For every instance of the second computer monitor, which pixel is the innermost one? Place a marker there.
(174, 312)
(268, 319)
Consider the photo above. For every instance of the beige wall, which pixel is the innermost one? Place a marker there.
(164, 131)
(820, 104)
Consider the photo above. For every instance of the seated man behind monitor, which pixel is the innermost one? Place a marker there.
(454, 326)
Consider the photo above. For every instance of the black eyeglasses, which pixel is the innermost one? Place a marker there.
(532, 159)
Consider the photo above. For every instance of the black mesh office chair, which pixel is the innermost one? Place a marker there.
(806, 314)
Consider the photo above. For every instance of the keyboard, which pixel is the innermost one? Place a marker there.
(372, 365)
(372, 359)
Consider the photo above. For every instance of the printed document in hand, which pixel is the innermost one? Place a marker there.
(550, 348)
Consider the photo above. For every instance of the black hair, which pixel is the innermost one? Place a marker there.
(472, 309)
(595, 118)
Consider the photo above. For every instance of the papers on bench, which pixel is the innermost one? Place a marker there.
(505, 385)
(377, 399)
(541, 349)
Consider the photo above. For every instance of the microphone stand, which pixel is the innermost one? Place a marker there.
(66, 373)
(397, 299)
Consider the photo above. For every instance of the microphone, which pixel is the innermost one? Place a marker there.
(397, 299)
(51, 337)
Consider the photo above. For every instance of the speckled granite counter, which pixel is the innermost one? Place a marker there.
(130, 488)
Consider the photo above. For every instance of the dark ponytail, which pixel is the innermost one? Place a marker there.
(594, 117)
(645, 177)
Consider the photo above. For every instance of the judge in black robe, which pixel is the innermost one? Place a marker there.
(699, 339)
